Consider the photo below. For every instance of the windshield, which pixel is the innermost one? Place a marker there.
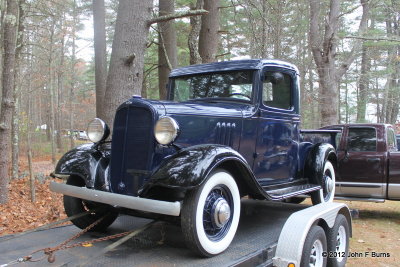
(227, 85)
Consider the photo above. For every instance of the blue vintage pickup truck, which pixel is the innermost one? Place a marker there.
(228, 130)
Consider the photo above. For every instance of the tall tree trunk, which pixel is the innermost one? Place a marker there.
(2, 14)
(324, 52)
(378, 100)
(193, 38)
(392, 94)
(7, 103)
(73, 74)
(278, 28)
(100, 54)
(17, 85)
(51, 90)
(167, 55)
(125, 74)
(208, 39)
(363, 85)
(29, 152)
(60, 86)
(264, 30)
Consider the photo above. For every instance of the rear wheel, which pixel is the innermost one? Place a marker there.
(327, 182)
(338, 242)
(74, 206)
(314, 248)
(210, 214)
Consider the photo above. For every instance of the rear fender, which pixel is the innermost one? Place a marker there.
(317, 156)
(89, 162)
(191, 166)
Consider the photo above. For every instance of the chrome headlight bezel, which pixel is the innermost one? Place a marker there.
(166, 130)
(97, 130)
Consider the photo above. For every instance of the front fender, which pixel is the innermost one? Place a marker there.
(89, 162)
(191, 166)
(318, 155)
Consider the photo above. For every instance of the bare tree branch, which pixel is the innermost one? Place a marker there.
(357, 44)
(178, 15)
(377, 39)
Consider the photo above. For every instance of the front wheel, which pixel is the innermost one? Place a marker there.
(327, 181)
(74, 206)
(210, 214)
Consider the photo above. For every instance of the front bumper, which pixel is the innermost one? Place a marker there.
(129, 202)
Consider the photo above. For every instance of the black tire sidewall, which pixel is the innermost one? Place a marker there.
(315, 232)
(331, 240)
(74, 206)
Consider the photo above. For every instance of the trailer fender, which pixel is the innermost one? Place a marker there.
(88, 162)
(190, 167)
(294, 232)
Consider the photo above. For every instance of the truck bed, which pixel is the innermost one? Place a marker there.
(162, 244)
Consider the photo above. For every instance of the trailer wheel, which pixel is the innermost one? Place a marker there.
(328, 180)
(338, 242)
(210, 214)
(73, 206)
(314, 248)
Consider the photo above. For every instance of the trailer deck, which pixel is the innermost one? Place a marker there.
(161, 244)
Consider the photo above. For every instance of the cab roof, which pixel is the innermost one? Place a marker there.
(245, 64)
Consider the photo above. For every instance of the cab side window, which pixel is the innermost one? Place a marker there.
(277, 90)
(391, 140)
(361, 139)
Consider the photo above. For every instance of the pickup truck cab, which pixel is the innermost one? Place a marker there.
(227, 130)
(368, 162)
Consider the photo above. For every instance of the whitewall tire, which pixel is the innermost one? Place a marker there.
(328, 180)
(210, 214)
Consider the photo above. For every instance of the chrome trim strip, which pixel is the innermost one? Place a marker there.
(394, 191)
(367, 190)
(364, 185)
(130, 202)
(376, 200)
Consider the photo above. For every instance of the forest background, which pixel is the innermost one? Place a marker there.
(348, 54)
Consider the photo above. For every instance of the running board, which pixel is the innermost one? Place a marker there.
(292, 191)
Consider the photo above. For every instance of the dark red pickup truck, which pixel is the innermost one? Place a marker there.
(368, 162)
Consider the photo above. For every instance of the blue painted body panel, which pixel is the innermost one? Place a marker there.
(263, 141)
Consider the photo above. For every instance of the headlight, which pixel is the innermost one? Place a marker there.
(166, 130)
(97, 130)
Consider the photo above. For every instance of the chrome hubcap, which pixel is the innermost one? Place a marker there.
(222, 212)
(316, 259)
(329, 184)
(341, 243)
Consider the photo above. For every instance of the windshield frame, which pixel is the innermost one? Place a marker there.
(254, 72)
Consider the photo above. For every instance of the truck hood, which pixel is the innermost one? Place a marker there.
(202, 122)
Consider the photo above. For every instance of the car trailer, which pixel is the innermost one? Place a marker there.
(269, 234)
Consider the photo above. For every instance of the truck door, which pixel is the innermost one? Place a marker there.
(393, 183)
(361, 164)
(277, 134)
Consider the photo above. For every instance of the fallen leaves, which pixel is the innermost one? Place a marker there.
(20, 214)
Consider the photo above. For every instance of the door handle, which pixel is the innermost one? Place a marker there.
(373, 160)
